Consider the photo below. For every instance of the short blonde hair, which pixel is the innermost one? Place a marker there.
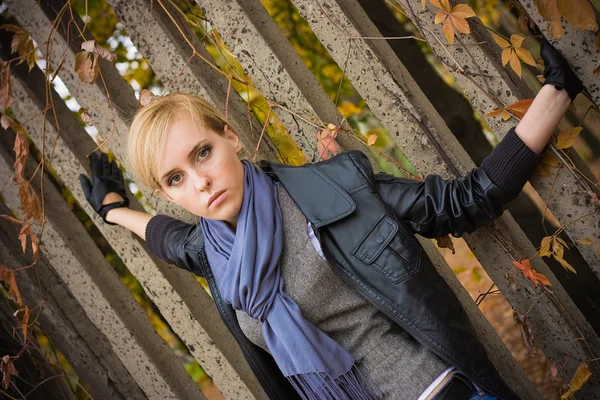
(149, 129)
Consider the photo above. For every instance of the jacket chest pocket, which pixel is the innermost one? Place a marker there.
(389, 250)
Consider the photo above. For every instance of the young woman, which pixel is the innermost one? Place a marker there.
(315, 269)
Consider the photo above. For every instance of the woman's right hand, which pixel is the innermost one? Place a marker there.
(557, 71)
(106, 191)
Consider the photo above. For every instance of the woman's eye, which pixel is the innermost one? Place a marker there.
(174, 180)
(204, 152)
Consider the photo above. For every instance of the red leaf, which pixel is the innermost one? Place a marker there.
(531, 274)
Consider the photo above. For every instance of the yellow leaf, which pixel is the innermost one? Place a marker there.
(519, 108)
(516, 40)
(500, 41)
(445, 5)
(460, 24)
(525, 56)
(581, 376)
(462, 11)
(506, 56)
(578, 13)
(562, 242)
(549, 10)
(567, 137)
(423, 4)
(440, 17)
(545, 247)
(565, 264)
(543, 170)
(448, 29)
(585, 241)
(372, 139)
(557, 248)
(515, 64)
(550, 160)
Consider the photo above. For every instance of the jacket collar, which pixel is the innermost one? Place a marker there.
(319, 198)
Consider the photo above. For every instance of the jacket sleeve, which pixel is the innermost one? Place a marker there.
(437, 206)
(166, 237)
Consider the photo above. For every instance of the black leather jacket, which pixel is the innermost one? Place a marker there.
(366, 225)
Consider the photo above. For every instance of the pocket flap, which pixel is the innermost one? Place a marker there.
(376, 240)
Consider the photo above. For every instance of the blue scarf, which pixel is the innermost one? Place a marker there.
(246, 269)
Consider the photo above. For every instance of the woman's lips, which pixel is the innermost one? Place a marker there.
(217, 198)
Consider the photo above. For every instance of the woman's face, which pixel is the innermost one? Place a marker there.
(200, 170)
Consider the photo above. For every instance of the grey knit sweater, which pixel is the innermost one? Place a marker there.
(401, 367)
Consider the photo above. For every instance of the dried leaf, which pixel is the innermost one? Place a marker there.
(526, 332)
(525, 56)
(8, 276)
(597, 69)
(568, 137)
(549, 11)
(515, 64)
(146, 96)
(586, 241)
(531, 274)
(86, 66)
(578, 13)
(21, 148)
(8, 369)
(6, 96)
(30, 204)
(22, 43)
(545, 247)
(581, 376)
(445, 242)
(25, 323)
(372, 139)
(7, 122)
(326, 143)
(597, 41)
(85, 117)
(523, 23)
(520, 107)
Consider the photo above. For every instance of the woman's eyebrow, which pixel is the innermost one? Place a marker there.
(190, 157)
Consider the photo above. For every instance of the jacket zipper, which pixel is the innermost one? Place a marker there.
(385, 310)
(254, 365)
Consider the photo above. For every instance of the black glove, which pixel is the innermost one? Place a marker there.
(557, 71)
(106, 178)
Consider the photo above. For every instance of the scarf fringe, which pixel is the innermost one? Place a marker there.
(352, 385)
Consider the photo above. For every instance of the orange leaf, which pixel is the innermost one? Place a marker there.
(515, 64)
(460, 24)
(372, 139)
(423, 4)
(519, 108)
(445, 5)
(531, 274)
(581, 376)
(462, 11)
(549, 11)
(578, 13)
(493, 113)
(525, 56)
(448, 29)
(500, 41)
(506, 56)
(440, 17)
(516, 40)
(568, 137)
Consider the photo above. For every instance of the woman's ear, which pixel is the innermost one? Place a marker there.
(235, 140)
(163, 194)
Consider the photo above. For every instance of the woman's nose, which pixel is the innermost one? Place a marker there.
(202, 182)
